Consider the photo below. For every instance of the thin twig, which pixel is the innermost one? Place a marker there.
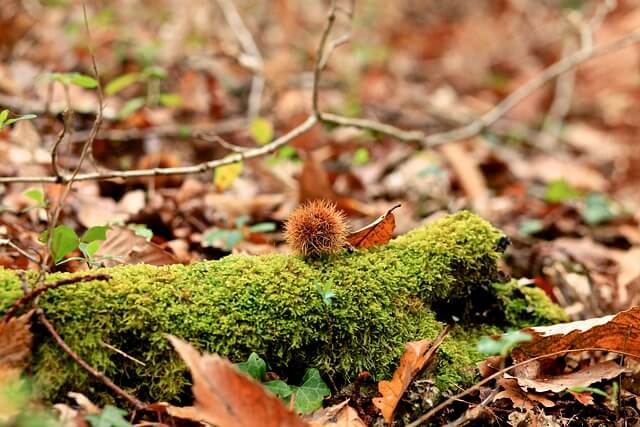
(122, 353)
(30, 296)
(317, 70)
(21, 251)
(184, 170)
(476, 386)
(66, 118)
(250, 48)
(84, 365)
(68, 180)
(229, 146)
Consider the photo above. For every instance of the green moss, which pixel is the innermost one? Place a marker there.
(525, 306)
(384, 297)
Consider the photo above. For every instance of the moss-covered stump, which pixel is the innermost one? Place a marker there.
(274, 305)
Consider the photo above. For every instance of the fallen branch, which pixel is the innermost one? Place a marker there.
(30, 296)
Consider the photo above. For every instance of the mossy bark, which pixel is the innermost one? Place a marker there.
(273, 305)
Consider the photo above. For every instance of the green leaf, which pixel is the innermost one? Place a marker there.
(263, 227)
(597, 209)
(83, 81)
(170, 99)
(326, 293)
(261, 130)
(89, 249)
(360, 157)
(131, 106)
(530, 227)
(98, 232)
(109, 417)
(141, 230)
(279, 388)
(229, 238)
(3, 116)
(559, 191)
(63, 241)
(255, 367)
(311, 393)
(17, 119)
(504, 344)
(593, 390)
(224, 176)
(155, 72)
(36, 195)
(121, 82)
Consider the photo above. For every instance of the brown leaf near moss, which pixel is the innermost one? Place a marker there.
(15, 346)
(227, 398)
(378, 232)
(414, 358)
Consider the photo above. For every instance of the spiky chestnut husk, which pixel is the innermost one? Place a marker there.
(316, 228)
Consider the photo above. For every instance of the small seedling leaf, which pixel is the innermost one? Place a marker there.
(120, 83)
(98, 232)
(63, 241)
(36, 195)
(109, 417)
(261, 130)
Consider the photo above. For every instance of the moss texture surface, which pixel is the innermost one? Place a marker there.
(383, 297)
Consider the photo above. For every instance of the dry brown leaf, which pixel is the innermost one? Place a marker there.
(414, 358)
(124, 246)
(584, 397)
(616, 332)
(520, 398)
(467, 170)
(15, 346)
(378, 232)
(582, 378)
(227, 398)
(340, 415)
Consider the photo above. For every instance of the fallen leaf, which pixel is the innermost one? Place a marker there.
(15, 346)
(340, 415)
(584, 397)
(414, 358)
(124, 246)
(226, 397)
(618, 332)
(378, 232)
(582, 378)
(520, 398)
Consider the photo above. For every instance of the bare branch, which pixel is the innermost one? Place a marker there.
(317, 71)
(184, 170)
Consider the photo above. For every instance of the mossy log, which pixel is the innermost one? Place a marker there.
(273, 305)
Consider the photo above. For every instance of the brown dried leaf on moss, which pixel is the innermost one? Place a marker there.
(414, 358)
(15, 346)
(227, 398)
(378, 232)
(340, 415)
(521, 399)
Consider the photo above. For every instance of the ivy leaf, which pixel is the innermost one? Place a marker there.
(36, 195)
(279, 388)
(98, 232)
(224, 176)
(120, 83)
(261, 130)
(311, 393)
(109, 417)
(63, 241)
(255, 367)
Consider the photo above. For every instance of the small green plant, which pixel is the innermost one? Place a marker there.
(73, 78)
(231, 237)
(308, 396)
(64, 239)
(6, 121)
(150, 77)
(559, 191)
(503, 345)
